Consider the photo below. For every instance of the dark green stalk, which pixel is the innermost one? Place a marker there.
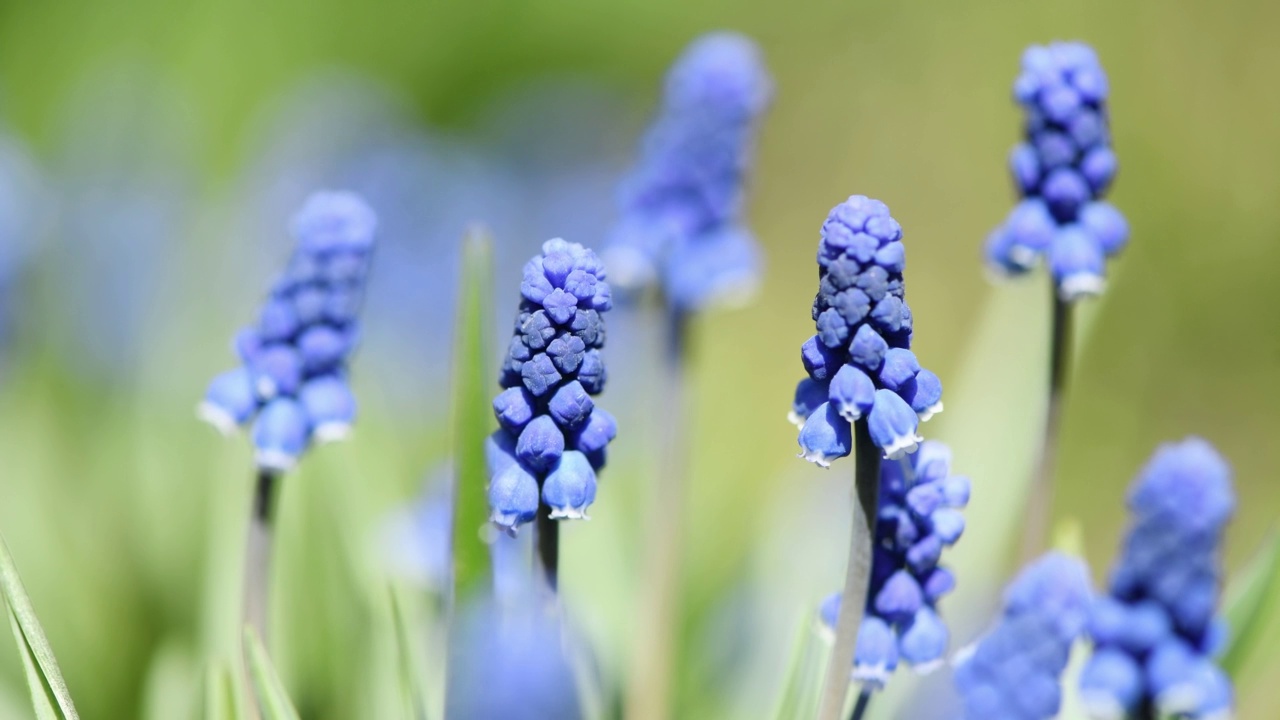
(858, 576)
(859, 709)
(1040, 498)
(257, 571)
(548, 532)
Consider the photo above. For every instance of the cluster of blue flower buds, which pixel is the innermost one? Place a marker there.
(682, 204)
(552, 438)
(292, 382)
(860, 362)
(1014, 672)
(1156, 633)
(919, 515)
(1062, 170)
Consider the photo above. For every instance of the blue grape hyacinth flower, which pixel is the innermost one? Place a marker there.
(1015, 670)
(860, 363)
(682, 224)
(553, 438)
(1156, 633)
(919, 515)
(1062, 170)
(292, 382)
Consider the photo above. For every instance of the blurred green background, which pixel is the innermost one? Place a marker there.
(167, 144)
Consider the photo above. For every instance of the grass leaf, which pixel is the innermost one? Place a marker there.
(40, 700)
(42, 668)
(472, 418)
(1246, 606)
(272, 698)
(219, 695)
(413, 676)
(805, 671)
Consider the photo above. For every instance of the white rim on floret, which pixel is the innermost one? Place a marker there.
(926, 668)
(927, 414)
(796, 418)
(1102, 705)
(277, 460)
(1081, 285)
(217, 416)
(570, 513)
(874, 676)
(819, 458)
(331, 432)
(851, 413)
(902, 446)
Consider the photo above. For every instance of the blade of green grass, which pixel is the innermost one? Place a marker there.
(219, 695)
(31, 637)
(1246, 606)
(805, 672)
(472, 419)
(40, 700)
(272, 698)
(413, 675)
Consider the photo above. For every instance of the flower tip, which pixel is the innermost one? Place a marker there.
(218, 417)
(1102, 705)
(275, 460)
(796, 418)
(331, 432)
(817, 457)
(1081, 285)
(570, 513)
(902, 446)
(929, 412)
(871, 677)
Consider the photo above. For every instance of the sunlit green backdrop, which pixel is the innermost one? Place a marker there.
(122, 510)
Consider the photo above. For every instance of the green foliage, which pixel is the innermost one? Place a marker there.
(49, 693)
(1251, 604)
(472, 417)
(273, 700)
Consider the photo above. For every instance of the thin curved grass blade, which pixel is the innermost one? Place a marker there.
(40, 700)
(273, 701)
(806, 670)
(44, 678)
(413, 674)
(1250, 604)
(219, 695)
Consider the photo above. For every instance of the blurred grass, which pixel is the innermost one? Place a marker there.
(109, 486)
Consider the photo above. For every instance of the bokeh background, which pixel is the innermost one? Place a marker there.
(152, 153)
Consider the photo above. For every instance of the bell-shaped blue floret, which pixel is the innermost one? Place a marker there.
(924, 395)
(330, 407)
(230, 401)
(1077, 263)
(570, 406)
(1111, 684)
(808, 396)
(513, 497)
(825, 436)
(540, 444)
(892, 424)
(570, 487)
(276, 370)
(851, 393)
(876, 653)
(924, 640)
(280, 434)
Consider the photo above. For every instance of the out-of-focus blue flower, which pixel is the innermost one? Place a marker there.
(293, 377)
(1062, 169)
(919, 515)
(552, 438)
(682, 223)
(1156, 633)
(414, 542)
(511, 660)
(23, 197)
(860, 363)
(1015, 670)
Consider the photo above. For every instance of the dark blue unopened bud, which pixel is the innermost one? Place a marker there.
(570, 406)
(540, 445)
(514, 408)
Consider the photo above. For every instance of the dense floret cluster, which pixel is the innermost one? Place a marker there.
(1062, 169)
(292, 383)
(1015, 671)
(919, 515)
(860, 362)
(552, 437)
(682, 222)
(1156, 633)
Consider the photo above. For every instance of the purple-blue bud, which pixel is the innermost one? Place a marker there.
(570, 487)
(330, 407)
(892, 424)
(825, 436)
(540, 444)
(513, 497)
(230, 401)
(514, 408)
(570, 406)
(851, 393)
(280, 434)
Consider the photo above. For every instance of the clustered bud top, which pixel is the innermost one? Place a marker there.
(552, 437)
(682, 204)
(293, 380)
(919, 515)
(1015, 670)
(1062, 170)
(860, 362)
(1156, 633)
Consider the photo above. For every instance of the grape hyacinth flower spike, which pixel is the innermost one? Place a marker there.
(682, 231)
(682, 226)
(1156, 633)
(1015, 670)
(1062, 170)
(865, 393)
(919, 516)
(292, 382)
(552, 441)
